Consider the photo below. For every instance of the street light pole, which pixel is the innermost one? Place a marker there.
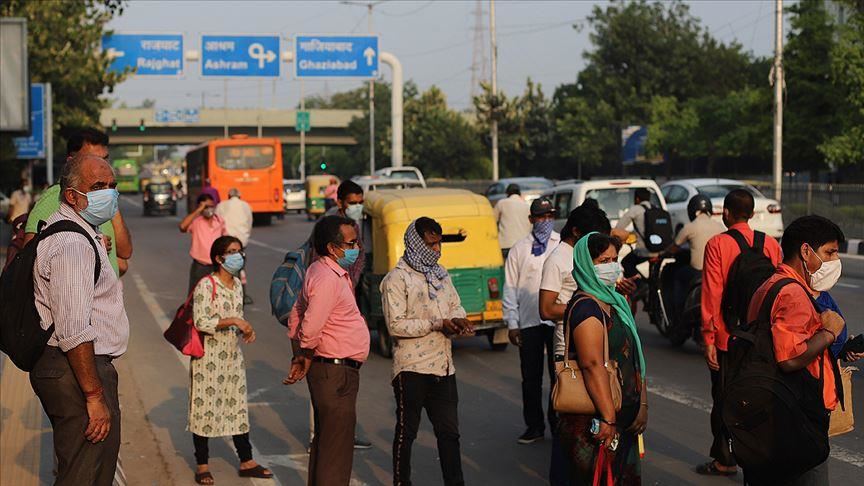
(777, 78)
(302, 133)
(494, 124)
(371, 108)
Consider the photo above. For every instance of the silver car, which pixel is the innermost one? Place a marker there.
(295, 195)
(531, 188)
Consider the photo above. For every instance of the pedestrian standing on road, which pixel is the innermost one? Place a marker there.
(423, 311)
(217, 390)
(331, 193)
(596, 315)
(115, 234)
(205, 226)
(20, 201)
(330, 342)
(511, 214)
(801, 335)
(237, 215)
(635, 216)
(75, 379)
(720, 253)
(533, 335)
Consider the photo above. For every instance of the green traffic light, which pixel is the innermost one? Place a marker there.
(323, 166)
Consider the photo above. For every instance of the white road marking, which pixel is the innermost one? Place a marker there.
(269, 247)
(164, 321)
(681, 397)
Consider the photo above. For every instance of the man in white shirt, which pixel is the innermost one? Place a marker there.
(237, 215)
(533, 335)
(511, 213)
(635, 215)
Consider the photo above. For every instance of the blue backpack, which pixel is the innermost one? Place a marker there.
(287, 282)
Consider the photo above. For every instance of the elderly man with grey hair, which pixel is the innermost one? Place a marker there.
(78, 293)
(237, 215)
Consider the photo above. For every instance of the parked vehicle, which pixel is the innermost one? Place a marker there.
(372, 183)
(295, 195)
(531, 187)
(767, 216)
(315, 187)
(127, 175)
(615, 196)
(159, 198)
(407, 172)
(470, 254)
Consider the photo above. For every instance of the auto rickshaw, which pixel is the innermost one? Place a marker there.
(316, 185)
(470, 253)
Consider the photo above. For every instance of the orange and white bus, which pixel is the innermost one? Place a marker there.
(252, 165)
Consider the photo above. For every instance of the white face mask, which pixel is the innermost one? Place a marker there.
(608, 273)
(824, 279)
(355, 212)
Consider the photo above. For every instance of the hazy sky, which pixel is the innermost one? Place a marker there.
(434, 40)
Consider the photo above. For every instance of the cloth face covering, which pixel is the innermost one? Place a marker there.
(424, 260)
(587, 280)
(542, 232)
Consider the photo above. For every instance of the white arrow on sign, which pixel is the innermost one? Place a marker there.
(114, 53)
(369, 54)
(257, 52)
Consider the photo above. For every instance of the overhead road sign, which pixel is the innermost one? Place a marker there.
(148, 54)
(303, 123)
(33, 146)
(244, 56)
(336, 56)
(188, 115)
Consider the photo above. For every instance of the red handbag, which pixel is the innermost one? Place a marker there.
(182, 332)
(603, 468)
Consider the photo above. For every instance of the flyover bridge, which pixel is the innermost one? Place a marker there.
(328, 127)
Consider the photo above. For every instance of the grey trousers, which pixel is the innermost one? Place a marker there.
(333, 389)
(79, 462)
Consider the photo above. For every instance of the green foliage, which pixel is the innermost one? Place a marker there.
(582, 130)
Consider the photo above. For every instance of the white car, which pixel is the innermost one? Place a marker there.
(615, 196)
(767, 216)
(295, 195)
(372, 183)
(406, 172)
(530, 187)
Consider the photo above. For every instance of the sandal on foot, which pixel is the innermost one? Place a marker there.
(711, 469)
(201, 477)
(258, 471)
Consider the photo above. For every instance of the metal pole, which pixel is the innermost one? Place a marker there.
(395, 107)
(260, 97)
(778, 99)
(494, 124)
(302, 134)
(49, 136)
(225, 105)
(371, 110)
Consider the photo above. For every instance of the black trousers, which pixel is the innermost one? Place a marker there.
(438, 395)
(197, 271)
(537, 341)
(202, 448)
(79, 461)
(631, 261)
(720, 450)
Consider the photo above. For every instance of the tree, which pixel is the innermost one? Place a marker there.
(63, 41)
(582, 132)
(811, 105)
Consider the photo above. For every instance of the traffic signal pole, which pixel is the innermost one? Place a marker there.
(777, 78)
(494, 107)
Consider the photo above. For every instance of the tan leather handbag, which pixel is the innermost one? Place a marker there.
(570, 394)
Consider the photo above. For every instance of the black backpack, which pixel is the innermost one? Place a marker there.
(748, 272)
(777, 421)
(21, 335)
(658, 229)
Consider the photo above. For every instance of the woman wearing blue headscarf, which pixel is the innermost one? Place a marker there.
(595, 312)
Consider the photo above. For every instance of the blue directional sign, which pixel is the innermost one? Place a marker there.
(336, 56)
(187, 115)
(33, 147)
(240, 55)
(633, 144)
(149, 54)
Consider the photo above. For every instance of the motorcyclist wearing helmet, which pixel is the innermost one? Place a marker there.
(696, 234)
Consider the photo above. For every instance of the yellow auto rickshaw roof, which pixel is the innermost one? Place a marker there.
(405, 205)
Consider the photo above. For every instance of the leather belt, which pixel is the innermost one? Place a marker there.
(339, 361)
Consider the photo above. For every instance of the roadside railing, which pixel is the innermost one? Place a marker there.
(841, 203)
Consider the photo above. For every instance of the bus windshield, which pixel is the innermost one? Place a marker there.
(245, 157)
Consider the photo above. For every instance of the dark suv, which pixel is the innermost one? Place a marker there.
(160, 197)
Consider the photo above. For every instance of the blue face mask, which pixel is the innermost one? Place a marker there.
(350, 257)
(233, 263)
(102, 205)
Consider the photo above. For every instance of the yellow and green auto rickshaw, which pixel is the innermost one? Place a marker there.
(316, 186)
(470, 253)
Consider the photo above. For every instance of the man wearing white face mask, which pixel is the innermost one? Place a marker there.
(523, 272)
(801, 335)
(349, 204)
(79, 297)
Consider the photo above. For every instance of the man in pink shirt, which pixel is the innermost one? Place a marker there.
(330, 341)
(205, 226)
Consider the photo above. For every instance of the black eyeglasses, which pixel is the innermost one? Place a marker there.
(351, 244)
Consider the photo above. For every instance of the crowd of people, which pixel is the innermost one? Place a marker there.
(566, 306)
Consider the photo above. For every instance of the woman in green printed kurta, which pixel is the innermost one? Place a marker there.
(217, 393)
